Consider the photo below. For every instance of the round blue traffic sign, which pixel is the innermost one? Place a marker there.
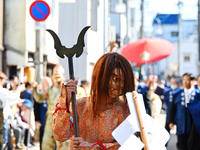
(39, 10)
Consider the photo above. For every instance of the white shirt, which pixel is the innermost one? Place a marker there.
(8, 99)
(188, 93)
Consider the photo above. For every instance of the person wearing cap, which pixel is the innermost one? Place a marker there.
(27, 94)
(28, 116)
(27, 103)
(20, 124)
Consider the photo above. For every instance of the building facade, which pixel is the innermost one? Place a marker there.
(73, 17)
(25, 39)
(168, 25)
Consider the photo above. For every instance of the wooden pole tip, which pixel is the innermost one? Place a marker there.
(134, 93)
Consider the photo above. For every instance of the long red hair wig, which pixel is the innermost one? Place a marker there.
(102, 72)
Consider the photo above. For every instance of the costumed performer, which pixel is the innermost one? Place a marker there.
(101, 112)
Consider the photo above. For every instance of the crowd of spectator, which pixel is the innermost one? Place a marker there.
(23, 111)
(22, 117)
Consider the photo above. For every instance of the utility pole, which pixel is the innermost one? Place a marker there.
(179, 38)
(142, 19)
(199, 32)
(141, 34)
(39, 54)
(4, 59)
(126, 40)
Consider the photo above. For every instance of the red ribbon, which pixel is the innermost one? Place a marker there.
(45, 92)
(100, 144)
(71, 123)
(58, 108)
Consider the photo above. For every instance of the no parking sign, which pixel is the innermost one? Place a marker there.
(39, 10)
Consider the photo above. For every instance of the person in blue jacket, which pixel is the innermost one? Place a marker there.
(179, 113)
(197, 86)
(143, 89)
(168, 96)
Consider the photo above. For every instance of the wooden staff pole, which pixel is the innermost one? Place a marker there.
(74, 109)
(70, 52)
(139, 115)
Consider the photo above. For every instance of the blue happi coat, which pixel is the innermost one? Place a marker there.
(182, 117)
(194, 109)
(168, 97)
(196, 87)
(142, 89)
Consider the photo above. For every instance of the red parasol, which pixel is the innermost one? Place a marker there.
(147, 50)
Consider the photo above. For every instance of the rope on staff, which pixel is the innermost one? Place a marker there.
(142, 129)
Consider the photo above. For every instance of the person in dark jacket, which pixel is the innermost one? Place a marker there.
(179, 113)
(194, 137)
(168, 96)
(143, 89)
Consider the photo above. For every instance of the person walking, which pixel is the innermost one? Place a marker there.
(179, 113)
(51, 95)
(103, 111)
(168, 97)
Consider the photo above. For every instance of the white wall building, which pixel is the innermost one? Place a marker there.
(21, 36)
(73, 17)
(168, 23)
(125, 19)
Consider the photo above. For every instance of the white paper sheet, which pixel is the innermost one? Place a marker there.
(125, 129)
(124, 133)
(131, 104)
(132, 143)
(159, 133)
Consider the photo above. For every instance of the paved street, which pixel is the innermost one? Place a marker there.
(173, 138)
(36, 147)
(172, 143)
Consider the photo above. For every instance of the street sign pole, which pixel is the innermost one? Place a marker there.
(39, 11)
(39, 55)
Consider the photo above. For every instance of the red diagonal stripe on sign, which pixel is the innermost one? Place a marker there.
(39, 10)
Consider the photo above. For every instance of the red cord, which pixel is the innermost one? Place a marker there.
(45, 92)
(58, 108)
(100, 144)
(71, 123)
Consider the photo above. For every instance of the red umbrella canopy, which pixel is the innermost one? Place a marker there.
(147, 50)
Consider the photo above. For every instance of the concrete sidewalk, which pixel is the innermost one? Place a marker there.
(173, 138)
(36, 147)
